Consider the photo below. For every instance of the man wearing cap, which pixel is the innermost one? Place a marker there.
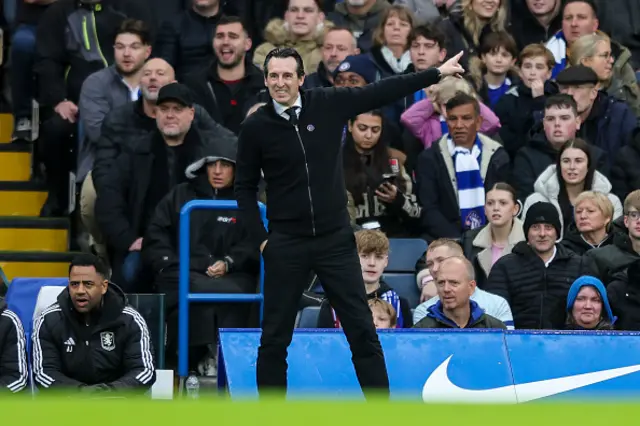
(140, 178)
(606, 122)
(536, 276)
(354, 71)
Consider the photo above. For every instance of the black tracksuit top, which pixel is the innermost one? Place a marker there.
(302, 165)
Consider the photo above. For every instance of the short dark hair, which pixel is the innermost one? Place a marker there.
(561, 100)
(136, 27)
(430, 32)
(229, 19)
(591, 4)
(282, 53)
(319, 3)
(86, 259)
(495, 40)
(462, 98)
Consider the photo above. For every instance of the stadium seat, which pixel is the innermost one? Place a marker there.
(48, 296)
(405, 286)
(22, 297)
(309, 317)
(403, 254)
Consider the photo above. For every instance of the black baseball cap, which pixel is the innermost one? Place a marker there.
(175, 92)
(576, 76)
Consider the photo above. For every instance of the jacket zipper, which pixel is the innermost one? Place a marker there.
(306, 166)
(95, 34)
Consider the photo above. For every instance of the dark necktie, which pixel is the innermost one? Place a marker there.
(293, 115)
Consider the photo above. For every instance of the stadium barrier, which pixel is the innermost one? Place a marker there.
(470, 366)
(185, 297)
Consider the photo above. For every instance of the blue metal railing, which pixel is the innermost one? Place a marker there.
(185, 298)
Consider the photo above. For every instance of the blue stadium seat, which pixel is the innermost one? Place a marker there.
(405, 286)
(22, 296)
(309, 317)
(404, 253)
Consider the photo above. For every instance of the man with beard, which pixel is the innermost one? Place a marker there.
(536, 276)
(185, 42)
(338, 44)
(231, 84)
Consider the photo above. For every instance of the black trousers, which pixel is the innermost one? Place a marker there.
(57, 142)
(288, 261)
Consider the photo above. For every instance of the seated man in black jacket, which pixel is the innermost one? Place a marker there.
(139, 179)
(13, 352)
(223, 260)
(91, 340)
(536, 276)
(462, 164)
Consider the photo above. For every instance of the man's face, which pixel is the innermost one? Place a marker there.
(453, 285)
(498, 61)
(86, 288)
(303, 17)
(173, 119)
(372, 265)
(205, 4)
(130, 53)
(578, 19)
(283, 81)
(464, 124)
(541, 7)
(220, 174)
(426, 53)
(349, 79)
(584, 95)
(156, 74)
(542, 237)
(533, 69)
(632, 222)
(336, 47)
(230, 45)
(560, 125)
(435, 257)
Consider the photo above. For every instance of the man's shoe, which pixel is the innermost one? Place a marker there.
(22, 130)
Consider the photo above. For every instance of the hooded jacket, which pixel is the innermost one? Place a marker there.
(479, 319)
(114, 349)
(276, 34)
(537, 294)
(362, 27)
(574, 241)
(422, 120)
(624, 84)
(608, 319)
(613, 258)
(623, 293)
(625, 173)
(214, 234)
(547, 189)
(14, 370)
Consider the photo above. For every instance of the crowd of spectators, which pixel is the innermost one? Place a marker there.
(521, 175)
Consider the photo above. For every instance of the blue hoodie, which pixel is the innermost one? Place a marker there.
(436, 312)
(586, 281)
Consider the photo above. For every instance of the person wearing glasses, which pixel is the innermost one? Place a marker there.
(625, 248)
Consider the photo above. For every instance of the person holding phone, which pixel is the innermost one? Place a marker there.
(380, 191)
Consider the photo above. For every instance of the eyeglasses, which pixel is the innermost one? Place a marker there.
(635, 215)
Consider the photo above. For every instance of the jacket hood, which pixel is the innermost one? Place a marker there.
(378, 7)
(219, 149)
(384, 287)
(547, 183)
(538, 140)
(278, 34)
(113, 302)
(435, 311)
(589, 281)
(483, 238)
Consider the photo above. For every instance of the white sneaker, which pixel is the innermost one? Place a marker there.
(208, 366)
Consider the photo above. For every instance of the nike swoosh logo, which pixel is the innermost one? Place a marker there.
(439, 388)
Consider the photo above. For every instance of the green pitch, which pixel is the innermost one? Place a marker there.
(82, 412)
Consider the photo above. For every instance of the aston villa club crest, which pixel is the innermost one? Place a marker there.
(107, 341)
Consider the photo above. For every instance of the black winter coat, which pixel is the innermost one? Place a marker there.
(515, 109)
(214, 234)
(624, 296)
(537, 295)
(227, 105)
(124, 127)
(613, 258)
(526, 29)
(458, 38)
(573, 240)
(302, 164)
(114, 349)
(14, 370)
(186, 42)
(436, 195)
(625, 173)
(534, 158)
(317, 79)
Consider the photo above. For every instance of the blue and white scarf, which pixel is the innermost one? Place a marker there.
(443, 125)
(558, 47)
(471, 195)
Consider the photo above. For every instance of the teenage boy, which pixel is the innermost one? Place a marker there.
(427, 50)
(515, 109)
(373, 249)
(493, 74)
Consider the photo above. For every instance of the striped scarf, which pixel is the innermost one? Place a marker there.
(558, 46)
(470, 183)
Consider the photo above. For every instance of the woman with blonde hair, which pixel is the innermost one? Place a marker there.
(593, 215)
(616, 76)
(466, 29)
